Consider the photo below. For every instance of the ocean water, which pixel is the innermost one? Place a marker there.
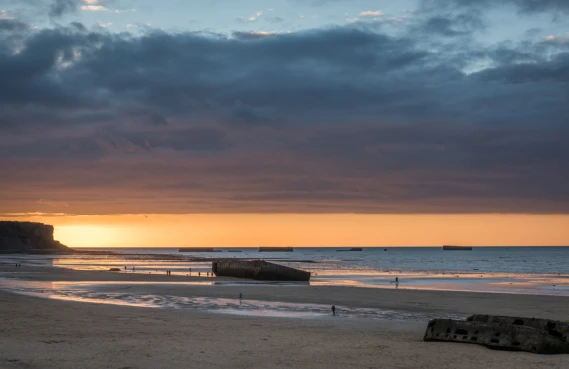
(511, 260)
(530, 270)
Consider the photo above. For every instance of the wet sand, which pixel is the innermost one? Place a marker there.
(45, 333)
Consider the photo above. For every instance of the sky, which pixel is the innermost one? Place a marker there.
(286, 122)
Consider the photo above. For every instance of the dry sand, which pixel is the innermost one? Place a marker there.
(44, 334)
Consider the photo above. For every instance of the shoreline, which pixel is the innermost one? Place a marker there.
(413, 300)
(530, 284)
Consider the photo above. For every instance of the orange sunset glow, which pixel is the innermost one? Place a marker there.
(307, 230)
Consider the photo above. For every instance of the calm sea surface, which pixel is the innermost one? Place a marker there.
(531, 270)
(525, 260)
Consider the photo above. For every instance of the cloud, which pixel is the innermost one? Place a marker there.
(371, 13)
(451, 25)
(94, 8)
(252, 18)
(343, 119)
(557, 39)
(274, 19)
(12, 25)
(524, 6)
(254, 35)
(131, 10)
(158, 119)
(54, 204)
(58, 8)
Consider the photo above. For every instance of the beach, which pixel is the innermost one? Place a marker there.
(40, 332)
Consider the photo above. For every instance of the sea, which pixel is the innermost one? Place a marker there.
(527, 270)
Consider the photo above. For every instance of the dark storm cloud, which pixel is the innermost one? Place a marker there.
(335, 120)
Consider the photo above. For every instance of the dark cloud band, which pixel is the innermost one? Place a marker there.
(343, 119)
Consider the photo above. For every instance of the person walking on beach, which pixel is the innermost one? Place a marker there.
(396, 282)
(333, 309)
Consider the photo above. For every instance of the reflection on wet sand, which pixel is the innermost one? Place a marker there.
(118, 294)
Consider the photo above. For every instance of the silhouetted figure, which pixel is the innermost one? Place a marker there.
(333, 309)
(199, 274)
(240, 295)
(396, 282)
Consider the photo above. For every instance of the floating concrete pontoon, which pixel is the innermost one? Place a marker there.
(259, 270)
(538, 336)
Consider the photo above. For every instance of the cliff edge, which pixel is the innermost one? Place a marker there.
(28, 237)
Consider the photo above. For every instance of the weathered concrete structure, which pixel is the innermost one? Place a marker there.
(457, 248)
(276, 249)
(553, 327)
(26, 237)
(259, 270)
(538, 336)
(198, 249)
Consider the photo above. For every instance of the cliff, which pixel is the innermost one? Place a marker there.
(19, 237)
